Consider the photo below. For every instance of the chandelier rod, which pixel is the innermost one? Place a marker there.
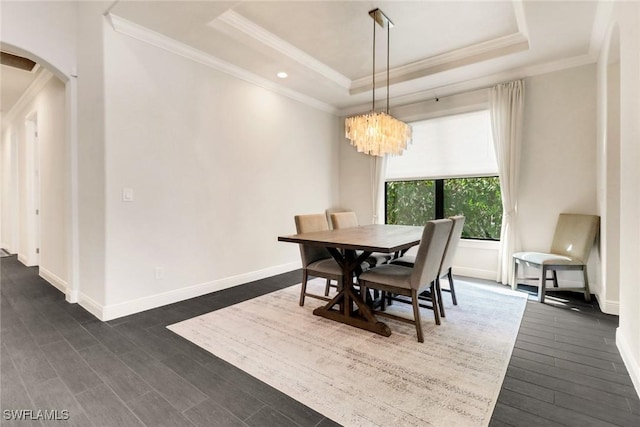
(373, 71)
(388, 43)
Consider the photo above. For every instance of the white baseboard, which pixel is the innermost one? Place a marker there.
(91, 306)
(630, 361)
(56, 281)
(475, 272)
(608, 306)
(114, 311)
(23, 259)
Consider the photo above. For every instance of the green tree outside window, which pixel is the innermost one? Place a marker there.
(478, 199)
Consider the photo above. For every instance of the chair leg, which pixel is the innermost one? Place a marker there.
(438, 296)
(434, 303)
(326, 288)
(416, 314)
(303, 288)
(514, 279)
(587, 293)
(453, 290)
(543, 282)
(383, 301)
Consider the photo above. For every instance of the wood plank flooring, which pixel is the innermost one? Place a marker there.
(566, 369)
(132, 371)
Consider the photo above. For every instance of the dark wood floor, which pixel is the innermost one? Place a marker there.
(566, 369)
(132, 371)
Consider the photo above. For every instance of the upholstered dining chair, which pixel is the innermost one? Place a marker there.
(316, 261)
(573, 239)
(407, 281)
(447, 263)
(348, 219)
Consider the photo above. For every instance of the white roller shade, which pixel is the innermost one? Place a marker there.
(450, 146)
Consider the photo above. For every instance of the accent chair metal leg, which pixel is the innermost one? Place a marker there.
(543, 283)
(326, 288)
(587, 293)
(514, 278)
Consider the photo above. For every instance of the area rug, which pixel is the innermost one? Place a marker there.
(358, 378)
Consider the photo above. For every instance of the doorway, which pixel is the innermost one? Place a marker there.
(32, 187)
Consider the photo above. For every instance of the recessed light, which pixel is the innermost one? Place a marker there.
(282, 75)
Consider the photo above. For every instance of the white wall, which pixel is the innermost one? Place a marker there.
(218, 168)
(48, 104)
(626, 17)
(44, 30)
(9, 195)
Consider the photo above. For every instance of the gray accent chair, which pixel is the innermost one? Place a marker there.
(573, 239)
(410, 282)
(316, 261)
(447, 263)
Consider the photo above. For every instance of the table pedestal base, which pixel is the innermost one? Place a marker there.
(361, 318)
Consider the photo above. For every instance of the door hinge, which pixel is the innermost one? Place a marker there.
(37, 211)
(37, 250)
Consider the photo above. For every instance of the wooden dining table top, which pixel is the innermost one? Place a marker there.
(386, 238)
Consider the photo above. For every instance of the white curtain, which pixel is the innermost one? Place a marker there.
(506, 103)
(377, 169)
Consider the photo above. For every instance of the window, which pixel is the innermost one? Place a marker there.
(449, 169)
(478, 199)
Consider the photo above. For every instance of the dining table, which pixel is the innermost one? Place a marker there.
(350, 247)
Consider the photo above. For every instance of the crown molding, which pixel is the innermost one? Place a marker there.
(478, 83)
(146, 35)
(601, 23)
(490, 49)
(29, 94)
(242, 24)
(521, 18)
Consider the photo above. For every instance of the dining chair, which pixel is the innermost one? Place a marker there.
(573, 239)
(348, 219)
(447, 263)
(316, 261)
(330, 211)
(411, 281)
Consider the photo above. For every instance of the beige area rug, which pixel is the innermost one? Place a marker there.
(358, 378)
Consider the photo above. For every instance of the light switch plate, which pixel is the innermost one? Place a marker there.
(127, 194)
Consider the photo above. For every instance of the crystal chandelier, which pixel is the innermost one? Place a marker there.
(378, 133)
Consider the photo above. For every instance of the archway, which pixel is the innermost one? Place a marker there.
(62, 254)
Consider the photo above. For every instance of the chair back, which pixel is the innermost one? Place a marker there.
(452, 243)
(344, 220)
(330, 211)
(430, 252)
(575, 235)
(308, 224)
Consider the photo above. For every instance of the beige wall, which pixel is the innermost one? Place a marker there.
(558, 163)
(625, 19)
(218, 168)
(558, 158)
